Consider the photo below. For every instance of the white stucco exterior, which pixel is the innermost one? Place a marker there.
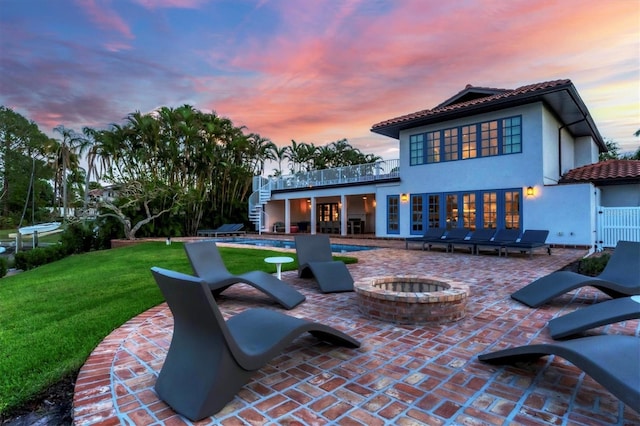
(550, 148)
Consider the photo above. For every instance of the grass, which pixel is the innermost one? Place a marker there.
(52, 317)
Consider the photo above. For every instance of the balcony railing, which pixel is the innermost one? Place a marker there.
(361, 173)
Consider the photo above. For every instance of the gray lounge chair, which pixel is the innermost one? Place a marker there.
(501, 238)
(315, 260)
(210, 360)
(531, 239)
(225, 229)
(207, 264)
(611, 360)
(454, 234)
(607, 312)
(479, 236)
(620, 278)
(431, 234)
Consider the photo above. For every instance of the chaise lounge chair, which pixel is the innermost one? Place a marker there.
(531, 239)
(207, 264)
(226, 229)
(611, 360)
(478, 236)
(501, 238)
(315, 260)
(431, 234)
(603, 313)
(620, 278)
(455, 234)
(210, 360)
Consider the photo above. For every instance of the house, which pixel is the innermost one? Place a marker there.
(486, 157)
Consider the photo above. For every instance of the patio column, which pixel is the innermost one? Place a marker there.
(343, 215)
(287, 216)
(312, 225)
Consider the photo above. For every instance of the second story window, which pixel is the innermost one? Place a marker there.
(486, 139)
(511, 135)
(489, 139)
(469, 144)
(450, 144)
(433, 147)
(416, 149)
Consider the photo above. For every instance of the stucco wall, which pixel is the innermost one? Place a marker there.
(586, 151)
(567, 211)
(620, 196)
(497, 172)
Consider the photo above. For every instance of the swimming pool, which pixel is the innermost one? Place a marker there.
(336, 248)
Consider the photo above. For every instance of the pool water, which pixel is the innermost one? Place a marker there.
(335, 248)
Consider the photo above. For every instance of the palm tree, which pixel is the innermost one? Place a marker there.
(279, 155)
(65, 158)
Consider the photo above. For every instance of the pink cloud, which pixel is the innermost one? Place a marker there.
(105, 17)
(177, 4)
(355, 68)
(324, 70)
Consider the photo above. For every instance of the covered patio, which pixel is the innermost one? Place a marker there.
(402, 374)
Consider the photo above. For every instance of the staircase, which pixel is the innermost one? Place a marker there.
(257, 200)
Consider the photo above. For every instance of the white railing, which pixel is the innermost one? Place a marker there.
(361, 173)
(617, 223)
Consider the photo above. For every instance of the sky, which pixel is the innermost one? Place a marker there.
(313, 71)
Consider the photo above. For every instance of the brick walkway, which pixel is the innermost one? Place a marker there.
(402, 375)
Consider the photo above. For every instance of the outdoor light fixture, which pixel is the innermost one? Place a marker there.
(404, 198)
(529, 191)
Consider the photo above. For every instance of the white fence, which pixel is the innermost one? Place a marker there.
(617, 223)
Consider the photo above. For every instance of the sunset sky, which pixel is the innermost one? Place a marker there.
(311, 70)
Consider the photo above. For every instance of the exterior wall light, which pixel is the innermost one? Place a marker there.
(529, 191)
(404, 198)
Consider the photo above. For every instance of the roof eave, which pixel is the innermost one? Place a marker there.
(393, 130)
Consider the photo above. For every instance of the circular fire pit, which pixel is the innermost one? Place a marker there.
(412, 299)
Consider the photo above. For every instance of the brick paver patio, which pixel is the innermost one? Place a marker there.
(402, 375)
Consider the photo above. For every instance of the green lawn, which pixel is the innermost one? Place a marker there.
(52, 317)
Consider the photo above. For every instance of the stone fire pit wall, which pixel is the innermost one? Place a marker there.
(412, 299)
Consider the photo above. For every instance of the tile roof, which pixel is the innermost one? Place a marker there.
(610, 170)
(503, 94)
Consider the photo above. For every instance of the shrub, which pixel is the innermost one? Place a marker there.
(3, 267)
(593, 266)
(78, 237)
(30, 259)
(108, 229)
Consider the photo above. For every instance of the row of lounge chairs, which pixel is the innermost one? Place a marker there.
(226, 229)
(501, 241)
(210, 359)
(611, 360)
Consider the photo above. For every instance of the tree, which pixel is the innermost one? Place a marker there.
(196, 166)
(612, 152)
(132, 194)
(64, 159)
(22, 148)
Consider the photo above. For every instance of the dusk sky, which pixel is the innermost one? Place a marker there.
(315, 71)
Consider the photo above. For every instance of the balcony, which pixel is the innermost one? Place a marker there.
(362, 173)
